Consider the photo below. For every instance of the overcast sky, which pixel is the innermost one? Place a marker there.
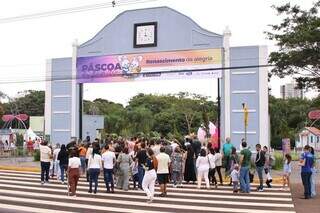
(25, 45)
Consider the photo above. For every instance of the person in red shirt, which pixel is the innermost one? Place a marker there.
(30, 147)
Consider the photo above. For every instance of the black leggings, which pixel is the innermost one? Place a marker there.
(212, 176)
(218, 168)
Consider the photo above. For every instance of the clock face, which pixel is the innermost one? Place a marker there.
(145, 35)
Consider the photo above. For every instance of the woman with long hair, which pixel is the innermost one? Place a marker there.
(74, 166)
(212, 170)
(189, 173)
(94, 166)
(150, 175)
(287, 172)
(177, 166)
(124, 161)
(63, 157)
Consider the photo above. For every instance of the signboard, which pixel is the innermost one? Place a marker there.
(150, 66)
(314, 115)
(286, 148)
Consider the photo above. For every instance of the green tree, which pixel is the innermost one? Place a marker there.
(1, 105)
(140, 119)
(298, 39)
(31, 103)
(287, 118)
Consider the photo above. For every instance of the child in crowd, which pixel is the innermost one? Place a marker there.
(235, 178)
(134, 170)
(286, 172)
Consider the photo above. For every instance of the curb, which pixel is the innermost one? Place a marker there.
(22, 169)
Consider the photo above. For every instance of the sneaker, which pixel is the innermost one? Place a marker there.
(162, 195)
(260, 190)
(62, 182)
(174, 186)
(42, 182)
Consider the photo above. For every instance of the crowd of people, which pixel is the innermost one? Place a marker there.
(147, 162)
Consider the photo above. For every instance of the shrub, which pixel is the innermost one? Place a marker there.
(36, 155)
(278, 160)
(19, 142)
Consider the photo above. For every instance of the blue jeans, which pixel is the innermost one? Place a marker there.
(63, 168)
(313, 182)
(108, 178)
(260, 175)
(94, 174)
(140, 175)
(306, 180)
(83, 164)
(244, 179)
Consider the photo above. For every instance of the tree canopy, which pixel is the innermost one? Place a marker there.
(298, 39)
(177, 115)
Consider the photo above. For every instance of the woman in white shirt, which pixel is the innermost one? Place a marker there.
(94, 167)
(218, 161)
(202, 165)
(212, 164)
(73, 172)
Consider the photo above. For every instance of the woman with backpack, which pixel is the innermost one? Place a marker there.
(150, 175)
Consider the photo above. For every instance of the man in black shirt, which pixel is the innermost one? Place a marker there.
(142, 157)
(260, 161)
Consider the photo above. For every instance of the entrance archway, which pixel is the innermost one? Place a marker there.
(159, 35)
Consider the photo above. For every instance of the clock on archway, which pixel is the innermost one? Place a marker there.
(145, 35)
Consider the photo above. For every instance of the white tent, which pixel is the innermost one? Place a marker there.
(30, 134)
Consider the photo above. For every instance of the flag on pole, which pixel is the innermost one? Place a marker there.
(246, 115)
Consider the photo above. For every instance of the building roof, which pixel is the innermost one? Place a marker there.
(313, 130)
